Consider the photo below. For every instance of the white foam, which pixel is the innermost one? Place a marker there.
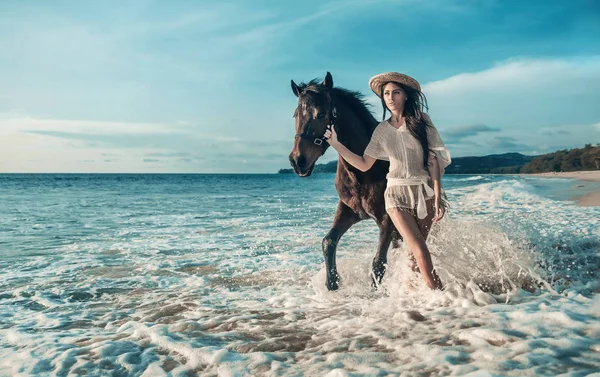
(469, 179)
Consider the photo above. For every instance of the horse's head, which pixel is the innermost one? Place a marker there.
(314, 112)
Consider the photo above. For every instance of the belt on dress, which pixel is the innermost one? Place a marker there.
(421, 205)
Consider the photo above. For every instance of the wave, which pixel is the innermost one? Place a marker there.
(475, 178)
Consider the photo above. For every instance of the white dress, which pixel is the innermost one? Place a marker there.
(408, 181)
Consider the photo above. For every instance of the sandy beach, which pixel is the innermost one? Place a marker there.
(588, 200)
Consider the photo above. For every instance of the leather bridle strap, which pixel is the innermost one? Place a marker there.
(320, 140)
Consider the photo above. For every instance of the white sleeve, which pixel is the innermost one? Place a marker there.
(376, 148)
(437, 148)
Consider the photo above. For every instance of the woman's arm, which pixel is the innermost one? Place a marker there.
(362, 163)
(433, 165)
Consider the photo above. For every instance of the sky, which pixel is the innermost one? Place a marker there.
(204, 86)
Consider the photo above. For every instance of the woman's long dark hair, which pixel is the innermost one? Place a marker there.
(414, 107)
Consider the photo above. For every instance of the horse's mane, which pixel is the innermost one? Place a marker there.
(353, 99)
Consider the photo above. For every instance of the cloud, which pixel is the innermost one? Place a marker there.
(520, 92)
(509, 144)
(555, 133)
(122, 140)
(70, 127)
(86, 146)
(529, 100)
(463, 143)
(458, 133)
(169, 154)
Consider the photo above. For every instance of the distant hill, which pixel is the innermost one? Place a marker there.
(506, 163)
(495, 163)
(330, 167)
(587, 158)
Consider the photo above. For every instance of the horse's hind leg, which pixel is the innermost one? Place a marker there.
(387, 231)
(344, 219)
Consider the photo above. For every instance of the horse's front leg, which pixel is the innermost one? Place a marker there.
(387, 231)
(344, 219)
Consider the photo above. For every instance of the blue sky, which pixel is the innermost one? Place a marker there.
(203, 86)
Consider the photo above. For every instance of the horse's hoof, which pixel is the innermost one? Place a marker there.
(377, 276)
(376, 282)
(332, 284)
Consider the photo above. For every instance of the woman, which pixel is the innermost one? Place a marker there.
(417, 158)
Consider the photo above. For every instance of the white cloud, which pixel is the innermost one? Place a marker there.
(30, 144)
(525, 99)
(24, 123)
(520, 92)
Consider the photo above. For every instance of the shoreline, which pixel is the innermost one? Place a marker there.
(584, 175)
(587, 200)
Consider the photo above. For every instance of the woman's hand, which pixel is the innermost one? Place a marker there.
(362, 163)
(439, 209)
(331, 136)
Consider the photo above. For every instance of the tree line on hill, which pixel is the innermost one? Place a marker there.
(586, 158)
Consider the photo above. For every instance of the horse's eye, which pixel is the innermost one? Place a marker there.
(320, 116)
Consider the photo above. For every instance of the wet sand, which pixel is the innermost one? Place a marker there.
(588, 200)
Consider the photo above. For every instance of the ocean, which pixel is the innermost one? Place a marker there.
(223, 275)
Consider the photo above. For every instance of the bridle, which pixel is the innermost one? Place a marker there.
(320, 140)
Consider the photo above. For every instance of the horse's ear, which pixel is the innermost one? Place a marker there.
(328, 81)
(295, 89)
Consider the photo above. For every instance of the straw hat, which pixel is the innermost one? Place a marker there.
(376, 82)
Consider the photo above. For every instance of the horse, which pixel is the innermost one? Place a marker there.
(361, 194)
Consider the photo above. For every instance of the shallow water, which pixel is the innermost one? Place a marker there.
(222, 275)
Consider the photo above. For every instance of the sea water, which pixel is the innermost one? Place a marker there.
(223, 275)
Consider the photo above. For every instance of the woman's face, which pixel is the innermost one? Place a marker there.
(394, 96)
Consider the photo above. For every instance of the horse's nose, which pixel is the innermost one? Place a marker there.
(301, 161)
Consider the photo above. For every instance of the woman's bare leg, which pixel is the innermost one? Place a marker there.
(407, 225)
(425, 224)
(424, 227)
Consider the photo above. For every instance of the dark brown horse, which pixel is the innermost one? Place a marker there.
(360, 193)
